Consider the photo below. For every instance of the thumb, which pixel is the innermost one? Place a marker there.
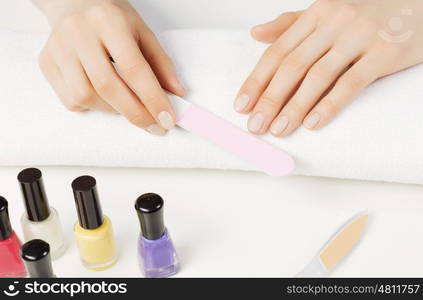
(271, 31)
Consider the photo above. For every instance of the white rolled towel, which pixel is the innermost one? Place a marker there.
(378, 137)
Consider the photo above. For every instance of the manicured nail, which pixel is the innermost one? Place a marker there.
(241, 102)
(156, 130)
(256, 122)
(279, 126)
(166, 120)
(312, 121)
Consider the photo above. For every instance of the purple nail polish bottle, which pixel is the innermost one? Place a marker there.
(156, 253)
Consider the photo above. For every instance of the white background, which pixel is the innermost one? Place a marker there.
(232, 223)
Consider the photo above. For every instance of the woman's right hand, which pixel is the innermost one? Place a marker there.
(86, 36)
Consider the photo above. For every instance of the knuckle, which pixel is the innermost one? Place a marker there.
(322, 5)
(295, 62)
(269, 100)
(323, 71)
(54, 45)
(288, 16)
(103, 84)
(73, 22)
(138, 120)
(46, 64)
(355, 81)
(156, 59)
(274, 53)
(150, 100)
(84, 97)
(285, 14)
(146, 33)
(252, 83)
(330, 107)
(136, 66)
(295, 111)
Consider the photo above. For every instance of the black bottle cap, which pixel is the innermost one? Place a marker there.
(5, 226)
(150, 214)
(36, 255)
(34, 195)
(88, 206)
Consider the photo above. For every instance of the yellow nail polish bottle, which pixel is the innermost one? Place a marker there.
(93, 231)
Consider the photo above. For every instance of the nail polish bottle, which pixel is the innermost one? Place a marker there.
(93, 231)
(36, 256)
(40, 221)
(11, 264)
(156, 253)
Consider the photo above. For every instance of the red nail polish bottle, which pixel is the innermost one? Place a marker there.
(11, 264)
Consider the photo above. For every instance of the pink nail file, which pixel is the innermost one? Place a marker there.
(262, 155)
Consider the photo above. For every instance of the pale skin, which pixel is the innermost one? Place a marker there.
(322, 58)
(318, 61)
(77, 62)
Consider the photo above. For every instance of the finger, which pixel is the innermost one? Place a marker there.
(293, 70)
(318, 80)
(359, 76)
(287, 78)
(160, 62)
(271, 31)
(135, 70)
(52, 73)
(107, 82)
(82, 93)
(263, 72)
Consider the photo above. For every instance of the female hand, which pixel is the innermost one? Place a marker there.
(77, 61)
(321, 58)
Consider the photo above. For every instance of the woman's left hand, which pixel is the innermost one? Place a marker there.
(321, 58)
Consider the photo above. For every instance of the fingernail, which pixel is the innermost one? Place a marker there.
(156, 130)
(279, 126)
(312, 121)
(241, 102)
(256, 122)
(166, 120)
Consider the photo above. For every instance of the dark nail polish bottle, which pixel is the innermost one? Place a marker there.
(156, 253)
(36, 255)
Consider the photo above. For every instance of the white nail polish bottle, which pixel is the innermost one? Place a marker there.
(40, 221)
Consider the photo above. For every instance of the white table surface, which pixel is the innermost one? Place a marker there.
(231, 223)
